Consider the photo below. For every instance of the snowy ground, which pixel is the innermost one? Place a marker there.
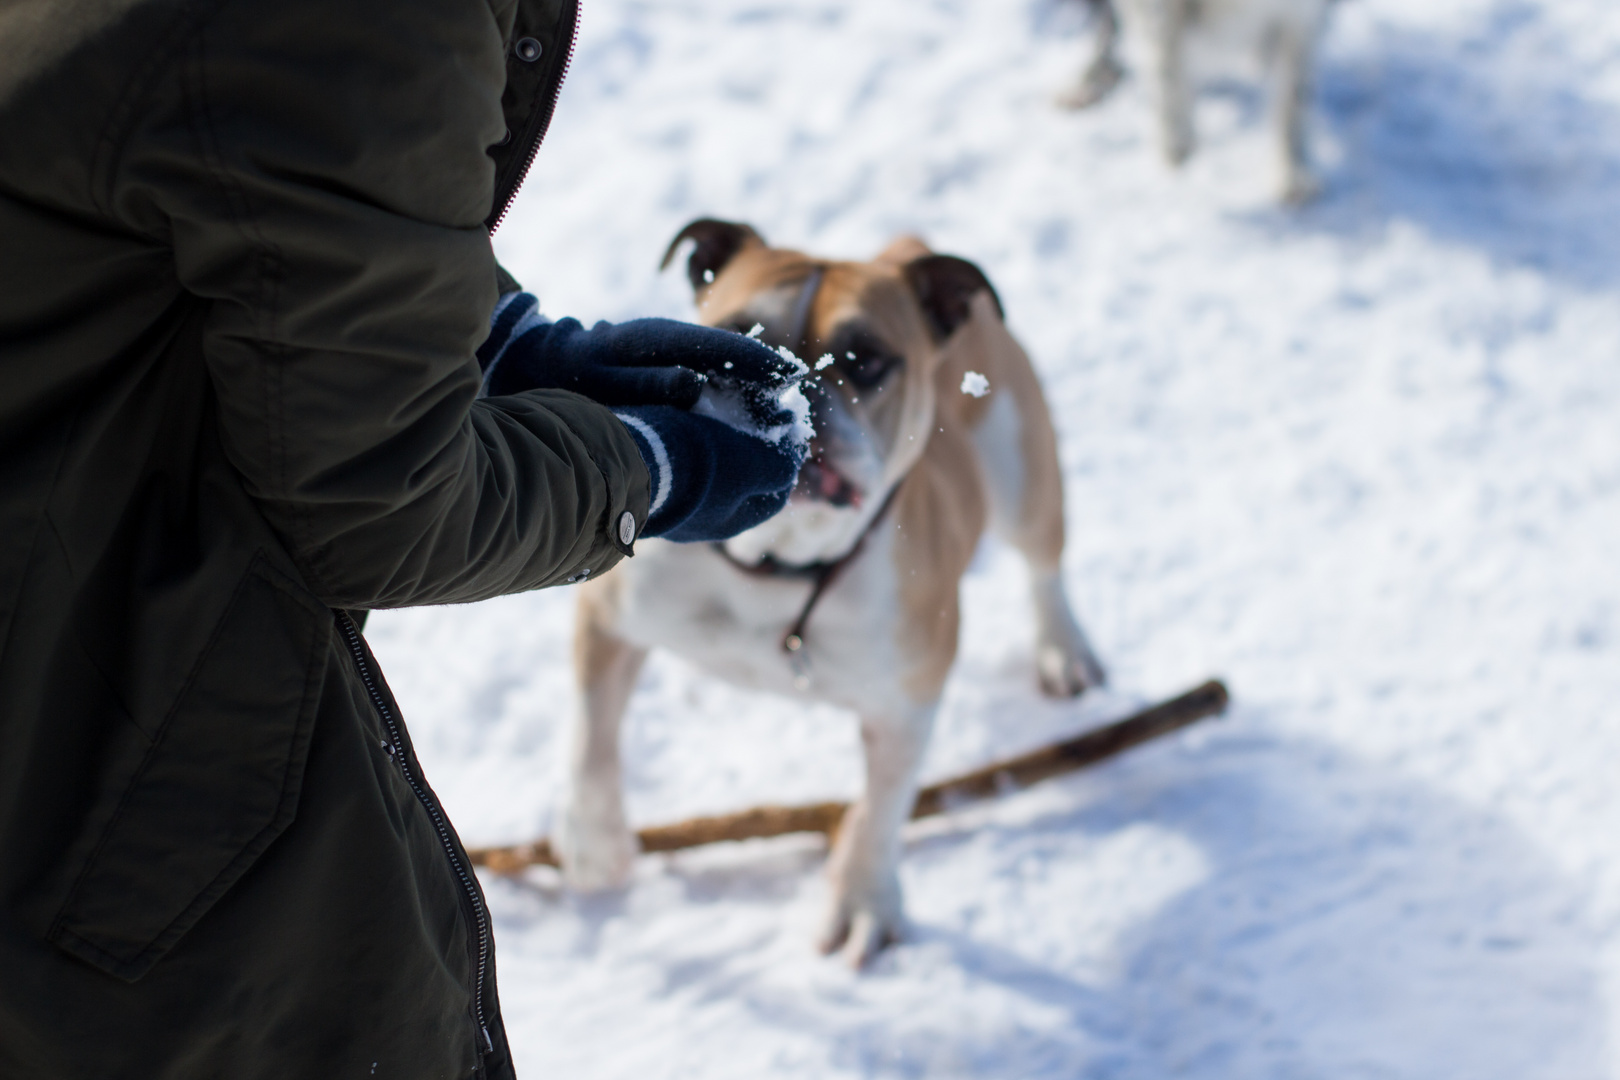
(1363, 461)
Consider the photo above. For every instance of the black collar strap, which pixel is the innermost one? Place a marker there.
(821, 574)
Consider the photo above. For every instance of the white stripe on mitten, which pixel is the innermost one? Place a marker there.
(664, 478)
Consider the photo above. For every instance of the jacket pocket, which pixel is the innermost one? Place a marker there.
(217, 785)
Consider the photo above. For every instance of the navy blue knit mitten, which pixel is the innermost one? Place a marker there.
(640, 362)
(712, 480)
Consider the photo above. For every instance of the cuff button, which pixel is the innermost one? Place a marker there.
(627, 528)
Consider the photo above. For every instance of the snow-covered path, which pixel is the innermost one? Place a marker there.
(1363, 461)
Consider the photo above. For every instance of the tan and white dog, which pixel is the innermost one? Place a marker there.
(848, 596)
(1174, 35)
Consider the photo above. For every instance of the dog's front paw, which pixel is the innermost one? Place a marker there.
(1064, 661)
(595, 848)
(862, 920)
(1067, 671)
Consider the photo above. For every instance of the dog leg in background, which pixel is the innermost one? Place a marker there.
(865, 911)
(593, 841)
(1102, 72)
(1292, 76)
(1175, 97)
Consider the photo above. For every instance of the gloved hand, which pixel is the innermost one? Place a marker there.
(713, 480)
(641, 362)
(717, 416)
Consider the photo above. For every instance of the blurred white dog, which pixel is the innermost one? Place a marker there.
(1282, 34)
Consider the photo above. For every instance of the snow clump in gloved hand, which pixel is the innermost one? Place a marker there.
(718, 417)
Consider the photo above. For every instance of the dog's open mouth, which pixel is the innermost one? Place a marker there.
(820, 482)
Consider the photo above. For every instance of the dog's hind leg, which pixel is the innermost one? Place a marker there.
(593, 841)
(1102, 72)
(1291, 108)
(1018, 451)
(865, 911)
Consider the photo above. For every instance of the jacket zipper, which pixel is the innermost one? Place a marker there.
(430, 803)
(545, 119)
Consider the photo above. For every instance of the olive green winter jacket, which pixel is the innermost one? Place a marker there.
(244, 264)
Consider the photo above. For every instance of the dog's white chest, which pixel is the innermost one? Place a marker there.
(690, 600)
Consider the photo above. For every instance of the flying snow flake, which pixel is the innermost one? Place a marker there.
(708, 276)
(826, 361)
(975, 384)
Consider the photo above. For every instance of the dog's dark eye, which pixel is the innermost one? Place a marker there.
(866, 370)
(862, 356)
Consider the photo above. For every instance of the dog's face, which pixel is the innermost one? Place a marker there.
(872, 334)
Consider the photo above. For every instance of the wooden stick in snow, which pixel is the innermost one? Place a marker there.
(1210, 699)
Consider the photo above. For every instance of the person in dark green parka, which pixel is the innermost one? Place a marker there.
(245, 268)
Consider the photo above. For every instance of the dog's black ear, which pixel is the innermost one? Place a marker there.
(944, 285)
(715, 243)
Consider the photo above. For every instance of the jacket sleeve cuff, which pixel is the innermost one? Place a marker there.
(625, 475)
